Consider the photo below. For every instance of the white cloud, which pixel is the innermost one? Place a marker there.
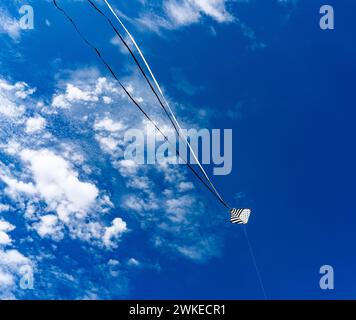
(107, 100)
(11, 263)
(185, 186)
(58, 184)
(49, 226)
(13, 258)
(179, 13)
(109, 134)
(12, 96)
(73, 204)
(5, 227)
(6, 279)
(154, 22)
(182, 12)
(73, 94)
(116, 41)
(4, 207)
(108, 124)
(84, 86)
(185, 12)
(9, 25)
(108, 144)
(114, 232)
(113, 262)
(35, 124)
(4, 238)
(8, 108)
(132, 262)
(201, 250)
(19, 89)
(16, 188)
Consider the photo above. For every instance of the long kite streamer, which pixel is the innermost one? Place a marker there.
(131, 97)
(169, 113)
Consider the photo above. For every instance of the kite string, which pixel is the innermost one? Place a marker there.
(180, 131)
(130, 96)
(254, 260)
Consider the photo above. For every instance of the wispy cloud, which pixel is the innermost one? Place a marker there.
(174, 14)
(9, 25)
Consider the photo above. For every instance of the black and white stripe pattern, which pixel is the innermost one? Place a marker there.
(240, 216)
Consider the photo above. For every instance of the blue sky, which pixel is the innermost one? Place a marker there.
(90, 225)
